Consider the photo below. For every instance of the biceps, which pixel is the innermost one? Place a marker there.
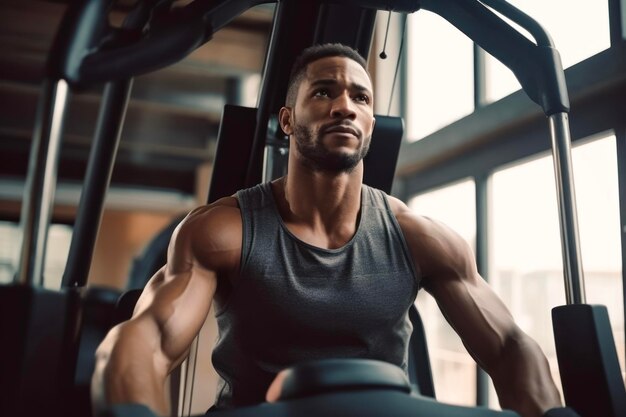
(479, 317)
(178, 305)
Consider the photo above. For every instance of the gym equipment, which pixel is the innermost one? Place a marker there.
(340, 387)
(346, 388)
(88, 50)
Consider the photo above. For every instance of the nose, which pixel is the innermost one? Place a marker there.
(343, 107)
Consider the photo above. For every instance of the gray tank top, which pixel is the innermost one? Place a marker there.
(294, 302)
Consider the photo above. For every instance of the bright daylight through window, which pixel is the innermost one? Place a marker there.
(578, 28)
(454, 371)
(526, 267)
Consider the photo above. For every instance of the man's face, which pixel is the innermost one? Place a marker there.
(332, 119)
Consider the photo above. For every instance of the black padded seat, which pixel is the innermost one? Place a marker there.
(334, 375)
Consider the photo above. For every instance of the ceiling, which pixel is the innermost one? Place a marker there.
(173, 115)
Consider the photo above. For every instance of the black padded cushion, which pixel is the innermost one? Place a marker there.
(333, 375)
(561, 412)
(126, 305)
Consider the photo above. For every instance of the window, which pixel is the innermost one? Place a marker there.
(579, 29)
(526, 265)
(440, 74)
(454, 371)
(9, 240)
(59, 238)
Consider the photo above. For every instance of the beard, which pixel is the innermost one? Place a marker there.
(318, 158)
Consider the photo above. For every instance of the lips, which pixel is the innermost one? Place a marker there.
(341, 129)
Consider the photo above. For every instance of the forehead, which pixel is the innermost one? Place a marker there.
(338, 68)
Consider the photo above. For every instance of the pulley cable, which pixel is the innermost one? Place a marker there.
(400, 50)
(193, 375)
(383, 55)
(188, 379)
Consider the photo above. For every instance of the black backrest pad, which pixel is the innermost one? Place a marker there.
(234, 145)
(380, 162)
(232, 156)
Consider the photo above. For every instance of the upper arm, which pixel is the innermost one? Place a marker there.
(449, 274)
(176, 301)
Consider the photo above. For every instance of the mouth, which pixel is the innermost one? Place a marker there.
(342, 129)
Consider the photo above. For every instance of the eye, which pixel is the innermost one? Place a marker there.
(363, 98)
(322, 92)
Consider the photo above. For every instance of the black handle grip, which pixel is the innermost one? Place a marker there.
(561, 412)
(88, 50)
(82, 29)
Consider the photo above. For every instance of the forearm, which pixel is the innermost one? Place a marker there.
(128, 371)
(522, 378)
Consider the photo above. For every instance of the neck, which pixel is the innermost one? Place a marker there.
(325, 204)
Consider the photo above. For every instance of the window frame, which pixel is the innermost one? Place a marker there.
(514, 128)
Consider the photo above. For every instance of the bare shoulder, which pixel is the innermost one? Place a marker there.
(416, 225)
(435, 247)
(223, 210)
(211, 234)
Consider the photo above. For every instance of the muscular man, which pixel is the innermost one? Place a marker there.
(313, 265)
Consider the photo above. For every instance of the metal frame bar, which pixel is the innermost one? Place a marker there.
(568, 217)
(41, 182)
(620, 141)
(544, 82)
(480, 77)
(617, 21)
(482, 187)
(514, 128)
(99, 169)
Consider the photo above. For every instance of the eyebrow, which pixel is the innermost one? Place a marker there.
(331, 81)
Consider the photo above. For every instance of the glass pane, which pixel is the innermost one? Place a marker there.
(595, 167)
(454, 371)
(59, 237)
(564, 20)
(440, 74)
(526, 266)
(9, 242)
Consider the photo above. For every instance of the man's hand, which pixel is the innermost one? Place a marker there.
(276, 387)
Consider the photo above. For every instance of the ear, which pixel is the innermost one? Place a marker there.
(284, 118)
(373, 123)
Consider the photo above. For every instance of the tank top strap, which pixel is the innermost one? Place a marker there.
(257, 216)
(377, 200)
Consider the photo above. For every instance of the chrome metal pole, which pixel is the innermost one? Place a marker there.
(41, 182)
(570, 241)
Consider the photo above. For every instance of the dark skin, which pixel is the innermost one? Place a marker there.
(333, 114)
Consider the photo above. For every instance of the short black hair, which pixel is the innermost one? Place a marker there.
(313, 53)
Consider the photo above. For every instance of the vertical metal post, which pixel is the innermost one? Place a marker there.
(482, 262)
(41, 181)
(287, 40)
(620, 138)
(572, 262)
(480, 78)
(482, 212)
(617, 20)
(97, 179)
(404, 70)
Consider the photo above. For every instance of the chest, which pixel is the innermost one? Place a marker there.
(308, 288)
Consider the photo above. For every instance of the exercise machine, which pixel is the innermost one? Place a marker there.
(39, 359)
